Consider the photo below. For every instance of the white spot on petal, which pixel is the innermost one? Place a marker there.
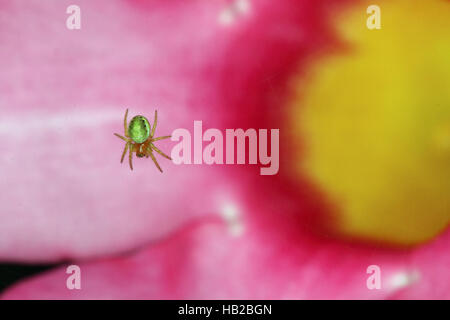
(403, 279)
(242, 6)
(234, 11)
(226, 17)
(231, 215)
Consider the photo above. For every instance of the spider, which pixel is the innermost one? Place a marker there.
(140, 139)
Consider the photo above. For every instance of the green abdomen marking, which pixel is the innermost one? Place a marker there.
(139, 129)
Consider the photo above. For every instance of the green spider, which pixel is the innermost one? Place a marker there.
(140, 140)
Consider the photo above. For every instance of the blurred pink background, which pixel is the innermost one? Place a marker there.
(195, 231)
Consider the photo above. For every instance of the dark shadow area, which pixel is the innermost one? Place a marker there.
(12, 273)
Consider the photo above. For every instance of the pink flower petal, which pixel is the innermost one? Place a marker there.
(64, 193)
(267, 259)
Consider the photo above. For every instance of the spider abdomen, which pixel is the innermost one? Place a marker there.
(139, 129)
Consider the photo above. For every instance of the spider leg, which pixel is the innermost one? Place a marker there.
(124, 151)
(130, 158)
(125, 123)
(123, 138)
(160, 138)
(154, 124)
(154, 160)
(160, 152)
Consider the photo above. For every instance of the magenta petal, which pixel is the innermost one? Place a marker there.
(243, 255)
(63, 94)
(209, 260)
(429, 271)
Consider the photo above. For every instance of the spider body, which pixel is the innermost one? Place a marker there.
(139, 138)
(139, 129)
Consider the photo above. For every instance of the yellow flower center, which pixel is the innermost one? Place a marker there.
(375, 122)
